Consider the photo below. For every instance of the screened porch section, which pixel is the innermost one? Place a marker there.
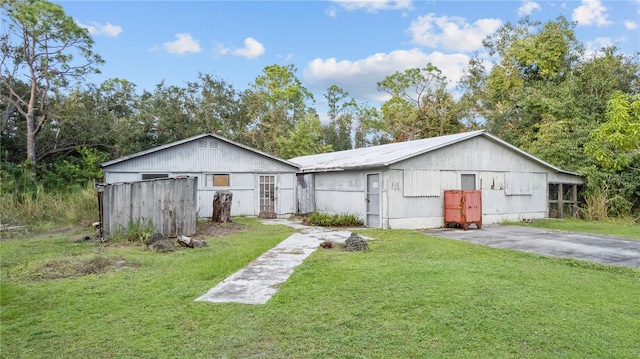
(565, 200)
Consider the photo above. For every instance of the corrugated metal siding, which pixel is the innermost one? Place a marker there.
(475, 154)
(193, 157)
(341, 192)
(421, 183)
(341, 181)
(517, 183)
(167, 204)
(492, 181)
(242, 203)
(244, 187)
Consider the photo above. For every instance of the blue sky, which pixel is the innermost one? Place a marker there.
(352, 44)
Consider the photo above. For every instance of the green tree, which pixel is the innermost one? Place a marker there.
(615, 144)
(217, 107)
(420, 105)
(41, 43)
(275, 102)
(305, 139)
(344, 122)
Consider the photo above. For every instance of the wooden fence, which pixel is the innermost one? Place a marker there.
(167, 204)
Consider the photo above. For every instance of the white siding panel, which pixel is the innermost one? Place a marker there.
(341, 181)
(116, 177)
(492, 181)
(287, 180)
(421, 183)
(518, 184)
(449, 180)
(285, 203)
(190, 157)
(475, 154)
(337, 202)
(242, 204)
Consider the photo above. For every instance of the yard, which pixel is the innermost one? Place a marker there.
(410, 296)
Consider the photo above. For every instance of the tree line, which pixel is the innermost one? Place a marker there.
(541, 91)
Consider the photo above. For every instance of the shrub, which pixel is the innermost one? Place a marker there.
(336, 220)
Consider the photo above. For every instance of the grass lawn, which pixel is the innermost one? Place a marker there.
(410, 296)
(625, 229)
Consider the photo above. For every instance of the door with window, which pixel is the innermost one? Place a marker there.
(373, 200)
(267, 198)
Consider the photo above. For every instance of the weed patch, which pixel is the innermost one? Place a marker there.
(74, 267)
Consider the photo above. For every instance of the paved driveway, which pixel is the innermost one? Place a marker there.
(595, 248)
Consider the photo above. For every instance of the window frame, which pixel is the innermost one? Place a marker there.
(212, 184)
(154, 175)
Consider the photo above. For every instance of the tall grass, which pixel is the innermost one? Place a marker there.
(597, 205)
(40, 210)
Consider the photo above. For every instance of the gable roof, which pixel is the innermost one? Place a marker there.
(385, 155)
(194, 138)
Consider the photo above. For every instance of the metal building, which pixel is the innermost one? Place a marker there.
(262, 184)
(401, 185)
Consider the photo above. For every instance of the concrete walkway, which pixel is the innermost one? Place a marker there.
(260, 279)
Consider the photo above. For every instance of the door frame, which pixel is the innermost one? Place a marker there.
(274, 198)
(366, 198)
(476, 185)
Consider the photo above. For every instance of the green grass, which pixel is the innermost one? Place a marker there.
(619, 228)
(410, 296)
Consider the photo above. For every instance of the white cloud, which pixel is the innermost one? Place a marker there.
(527, 8)
(374, 5)
(252, 49)
(286, 58)
(360, 77)
(630, 25)
(184, 44)
(594, 48)
(598, 43)
(591, 12)
(331, 12)
(220, 49)
(97, 29)
(451, 33)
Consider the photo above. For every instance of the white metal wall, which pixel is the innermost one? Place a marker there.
(341, 192)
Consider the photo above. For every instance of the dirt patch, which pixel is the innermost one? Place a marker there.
(212, 229)
(73, 268)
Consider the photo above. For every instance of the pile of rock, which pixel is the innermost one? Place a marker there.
(160, 243)
(356, 243)
(191, 243)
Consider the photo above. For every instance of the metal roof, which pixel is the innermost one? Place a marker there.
(194, 138)
(385, 155)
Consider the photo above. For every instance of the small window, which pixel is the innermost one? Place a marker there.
(468, 182)
(217, 180)
(208, 143)
(147, 176)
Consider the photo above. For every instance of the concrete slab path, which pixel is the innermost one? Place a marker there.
(590, 247)
(260, 279)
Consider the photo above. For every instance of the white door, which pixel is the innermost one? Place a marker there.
(373, 200)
